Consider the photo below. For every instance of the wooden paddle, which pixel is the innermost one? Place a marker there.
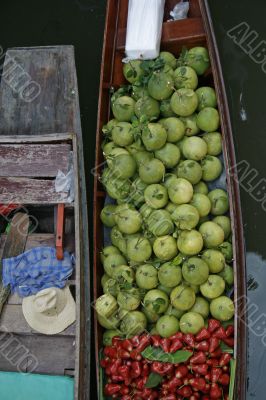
(14, 245)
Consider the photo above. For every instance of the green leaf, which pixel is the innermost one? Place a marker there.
(157, 354)
(153, 380)
(232, 378)
(130, 73)
(178, 260)
(226, 349)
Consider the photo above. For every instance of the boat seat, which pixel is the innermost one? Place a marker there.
(28, 172)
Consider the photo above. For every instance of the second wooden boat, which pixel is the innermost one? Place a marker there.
(39, 137)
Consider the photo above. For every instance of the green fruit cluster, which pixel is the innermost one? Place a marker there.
(168, 267)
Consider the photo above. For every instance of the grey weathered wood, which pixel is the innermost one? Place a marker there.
(30, 191)
(36, 353)
(54, 110)
(36, 137)
(14, 245)
(34, 160)
(42, 239)
(12, 320)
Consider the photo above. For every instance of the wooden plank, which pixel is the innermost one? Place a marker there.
(30, 191)
(39, 138)
(54, 109)
(34, 160)
(36, 354)
(175, 34)
(14, 245)
(12, 320)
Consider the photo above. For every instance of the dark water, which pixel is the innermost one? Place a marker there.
(246, 87)
(81, 23)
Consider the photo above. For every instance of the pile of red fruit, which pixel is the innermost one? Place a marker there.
(206, 374)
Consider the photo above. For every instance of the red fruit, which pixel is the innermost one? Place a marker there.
(187, 378)
(161, 368)
(110, 351)
(117, 378)
(114, 366)
(215, 392)
(116, 341)
(121, 353)
(215, 374)
(172, 384)
(156, 340)
(225, 359)
(203, 335)
(143, 343)
(201, 369)
(229, 331)
(104, 362)
(220, 333)
(124, 390)
(229, 341)
(135, 340)
(205, 398)
(195, 396)
(208, 377)
(135, 355)
(198, 358)
(224, 379)
(213, 324)
(189, 340)
(123, 371)
(127, 345)
(126, 397)
(168, 397)
(176, 345)
(177, 335)
(214, 343)
(217, 353)
(185, 391)
(202, 346)
(140, 383)
(135, 371)
(111, 389)
(207, 388)
(181, 371)
(197, 383)
(165, 344)
(213, 362)
(145, 370)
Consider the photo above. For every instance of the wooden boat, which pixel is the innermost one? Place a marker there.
(196, 30)
(38, 138)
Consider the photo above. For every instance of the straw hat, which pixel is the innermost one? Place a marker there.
(50, 311)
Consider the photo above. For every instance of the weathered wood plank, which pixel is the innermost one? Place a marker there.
(39, 138)
(43, 239)
(34, 160)
(30, 191)
(54, 109)
(12, 320)
(13, 246)
(36, 354)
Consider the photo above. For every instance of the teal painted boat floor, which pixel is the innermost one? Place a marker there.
(17, 386)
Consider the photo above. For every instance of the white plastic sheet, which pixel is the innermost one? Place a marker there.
(180, 11)
(144, 29)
